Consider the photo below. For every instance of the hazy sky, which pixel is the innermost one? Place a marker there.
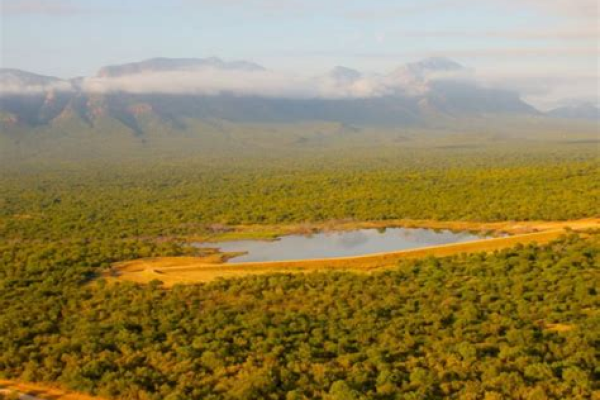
(547, 49)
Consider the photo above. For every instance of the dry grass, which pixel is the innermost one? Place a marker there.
(31, 391)
(188, 270)
(558, 327)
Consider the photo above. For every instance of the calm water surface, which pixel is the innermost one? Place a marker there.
(339, 244)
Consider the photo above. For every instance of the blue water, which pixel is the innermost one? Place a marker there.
(339, 244)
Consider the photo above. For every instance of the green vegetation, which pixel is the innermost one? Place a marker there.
(520, 323)
(459, 327)
(187, 197)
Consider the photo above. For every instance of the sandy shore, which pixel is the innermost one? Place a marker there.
(188, 270)
(34, 391)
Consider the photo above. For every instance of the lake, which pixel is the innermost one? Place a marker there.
(339, 244)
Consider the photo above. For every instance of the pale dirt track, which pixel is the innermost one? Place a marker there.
(32, 391)
(188, 270)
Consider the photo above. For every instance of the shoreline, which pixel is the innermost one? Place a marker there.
(272, 232)
(41, 391)
(192, 270)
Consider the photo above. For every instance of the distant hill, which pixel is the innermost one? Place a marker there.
(210, 105)
(411, 95)
(11, 80)
(582, 111)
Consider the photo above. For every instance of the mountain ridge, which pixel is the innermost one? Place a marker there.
(159, 64)
(579, 111)
(413, 95)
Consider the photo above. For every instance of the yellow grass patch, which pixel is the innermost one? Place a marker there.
(188, 270)
(31, 391)
(558, 327)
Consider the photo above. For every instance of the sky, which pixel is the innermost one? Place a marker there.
(546, 49)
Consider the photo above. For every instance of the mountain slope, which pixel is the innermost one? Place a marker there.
(411, 95)
(583, 111)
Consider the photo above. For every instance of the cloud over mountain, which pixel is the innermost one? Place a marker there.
(213, 76)
(176, 90)
(14, 81)
(212, 81)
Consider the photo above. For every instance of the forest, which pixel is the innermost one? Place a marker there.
(521, 323)
(180, 198)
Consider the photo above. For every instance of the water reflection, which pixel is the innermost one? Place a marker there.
(339, 244)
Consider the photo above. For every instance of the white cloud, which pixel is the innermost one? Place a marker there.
(578, 33)
(11, 85)
(586, 9)
(279, 8)
(211, 81)
(265, 83)
(44, 7)
(577, 10)
(545, 90)
(370, 12)
(492, 52)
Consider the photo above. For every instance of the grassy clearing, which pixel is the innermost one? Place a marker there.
(189, 270)
(31, 391)
(558, 327)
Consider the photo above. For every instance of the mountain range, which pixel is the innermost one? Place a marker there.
(410, 95)
(162, 100)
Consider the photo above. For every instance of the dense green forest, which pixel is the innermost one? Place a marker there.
(463, 327)
(183, 198)
(521, 323)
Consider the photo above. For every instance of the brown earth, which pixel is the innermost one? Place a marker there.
(34, 391)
